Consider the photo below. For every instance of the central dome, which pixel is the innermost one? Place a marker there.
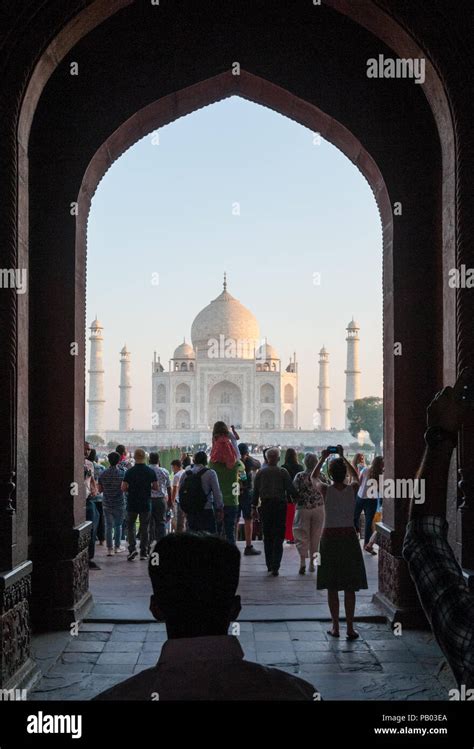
(225, 329)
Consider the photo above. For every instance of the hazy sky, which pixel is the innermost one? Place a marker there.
(167, 207)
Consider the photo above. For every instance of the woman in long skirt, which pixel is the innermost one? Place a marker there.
(341, 566)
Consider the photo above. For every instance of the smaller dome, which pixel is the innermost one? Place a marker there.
(184, 351)
(266, 352)
(125, 351)
(96, 324)
(353, 325)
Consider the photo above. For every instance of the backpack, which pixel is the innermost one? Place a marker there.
(192, 497)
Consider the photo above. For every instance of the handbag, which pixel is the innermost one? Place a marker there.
(377, 519)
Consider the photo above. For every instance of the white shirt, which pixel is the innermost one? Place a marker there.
(163, 478)
(340, 507)
(176, 480)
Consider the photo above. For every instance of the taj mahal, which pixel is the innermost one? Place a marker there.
(227, 372)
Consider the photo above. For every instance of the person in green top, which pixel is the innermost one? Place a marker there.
(229, 482)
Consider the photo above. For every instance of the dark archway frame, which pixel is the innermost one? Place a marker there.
(383, 26)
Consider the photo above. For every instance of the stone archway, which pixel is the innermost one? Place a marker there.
(225, 404)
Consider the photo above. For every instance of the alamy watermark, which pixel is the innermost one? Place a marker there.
(389, 67)
(461, 278)
(13, 278)
(396, 489)
(13, 695)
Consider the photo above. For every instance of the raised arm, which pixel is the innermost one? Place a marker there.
(317, 468)
(438, 578)
(350, 468)
(233, 436)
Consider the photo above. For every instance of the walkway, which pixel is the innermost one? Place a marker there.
(378, 666)
(121, 590)
(284, 624)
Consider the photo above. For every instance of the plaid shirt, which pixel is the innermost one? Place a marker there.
(110, 481)
(445, 598)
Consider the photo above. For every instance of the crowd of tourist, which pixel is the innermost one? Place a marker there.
(316, 505)
(200, 660)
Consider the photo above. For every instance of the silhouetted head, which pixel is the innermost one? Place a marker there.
(186, 461)
(176, 465)
(139, 455)
(200, 458)
(220, 429)
(358, 459)
(273, 456)
(93, 455)
(291, 456)
(154, 459)
(87, 449)
(194, 578)
(120, 449)
(376, 468)
(337, 470)
(113, 458)
(243, 449)
(310, 460)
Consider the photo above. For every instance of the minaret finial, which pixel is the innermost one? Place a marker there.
(225, 281)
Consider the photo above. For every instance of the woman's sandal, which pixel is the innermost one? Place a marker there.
(354, 636)
(330, 632)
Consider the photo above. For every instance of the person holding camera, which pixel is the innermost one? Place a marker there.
(447, 601)
(341, 566)
(309, 515)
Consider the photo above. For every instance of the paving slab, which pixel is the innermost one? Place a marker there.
(121, 591)
(339, 669)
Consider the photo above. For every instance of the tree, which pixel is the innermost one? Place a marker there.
(367, 415)
(96, 439)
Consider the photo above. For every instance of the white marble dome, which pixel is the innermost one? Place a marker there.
(225, 316)
(184, 351)
(266, 351)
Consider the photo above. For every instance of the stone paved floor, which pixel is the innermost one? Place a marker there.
(379, 665)
(283, 623)
(121, 589)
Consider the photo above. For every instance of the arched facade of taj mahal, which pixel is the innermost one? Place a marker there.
(226, 373)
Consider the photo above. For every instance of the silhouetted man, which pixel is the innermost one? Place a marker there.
(194, 579)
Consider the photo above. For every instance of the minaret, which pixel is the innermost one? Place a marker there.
(125, 409)
(352, 372)
(96, 398)
(324, 407)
